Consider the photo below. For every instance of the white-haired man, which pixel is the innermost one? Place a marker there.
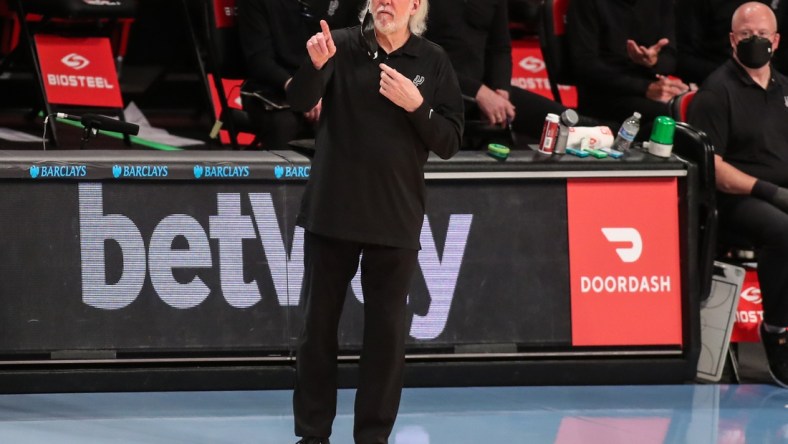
(743, 106)
(383, 111)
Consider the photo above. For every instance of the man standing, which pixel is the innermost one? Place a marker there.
(743, 106)
(389, 97)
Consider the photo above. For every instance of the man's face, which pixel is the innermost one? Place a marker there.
(392, 16)
(756, 23)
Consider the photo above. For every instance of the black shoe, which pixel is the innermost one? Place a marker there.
(776, 346)
(313, 440)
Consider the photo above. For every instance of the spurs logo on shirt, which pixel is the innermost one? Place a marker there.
(786, 101)
(418, 80)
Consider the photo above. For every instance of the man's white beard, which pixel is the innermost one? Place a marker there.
(391, 26)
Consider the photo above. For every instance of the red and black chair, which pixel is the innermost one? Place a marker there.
(679, 105)
(223, 68)
(66, 22)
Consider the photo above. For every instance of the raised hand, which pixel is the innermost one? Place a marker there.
(320, 46)
(399, 89)
(645, 56)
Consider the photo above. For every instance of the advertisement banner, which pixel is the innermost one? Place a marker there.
(749, 313)
(180, 265)
(529, 72)
(78, 71)
(624, 262)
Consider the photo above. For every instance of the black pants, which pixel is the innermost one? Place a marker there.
(766, 227)
(386, 272)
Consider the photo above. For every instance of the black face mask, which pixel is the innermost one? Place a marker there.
(368, 36)
(754, 52)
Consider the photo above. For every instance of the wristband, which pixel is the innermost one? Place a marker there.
(498, 151)
(764, 190)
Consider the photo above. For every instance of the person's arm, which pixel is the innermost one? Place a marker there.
(666, 62)
(730, 179)
(309, 82)
(498, 53)
(440, 123)
(710, 112)
(257, 42)
(583, 39)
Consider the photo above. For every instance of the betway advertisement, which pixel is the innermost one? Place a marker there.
(78, 71)
(178, 265)
(624, 262)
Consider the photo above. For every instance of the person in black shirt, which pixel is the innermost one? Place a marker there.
(702, 28)
(623, 54)
(743, 107)
(273, 34)
(475, 34)
(389, 98)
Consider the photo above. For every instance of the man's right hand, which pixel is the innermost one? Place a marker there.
(495, 107)
(665, 88)
(321, 46)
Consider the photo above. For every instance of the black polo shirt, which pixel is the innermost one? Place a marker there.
(367, 178)
(747, 124)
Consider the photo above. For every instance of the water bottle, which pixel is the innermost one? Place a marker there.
(626, 134)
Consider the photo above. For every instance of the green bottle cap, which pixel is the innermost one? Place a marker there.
(663, 130)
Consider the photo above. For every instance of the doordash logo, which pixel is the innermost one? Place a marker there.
(625, 279)
(630, 236)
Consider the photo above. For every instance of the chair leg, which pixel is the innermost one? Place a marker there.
(734, 360)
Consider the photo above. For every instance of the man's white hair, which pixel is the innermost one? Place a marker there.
(417, 23)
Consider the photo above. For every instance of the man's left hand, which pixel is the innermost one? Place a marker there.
(399, 89)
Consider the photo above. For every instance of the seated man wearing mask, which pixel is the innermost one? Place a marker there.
(743, 106)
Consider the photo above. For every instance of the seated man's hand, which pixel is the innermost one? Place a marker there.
(495, 106)
(645, 56)
(665, 88)
(313, 115)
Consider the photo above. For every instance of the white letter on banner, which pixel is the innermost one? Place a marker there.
(162, 259)
(231, 227)
(94, 229)
(286, 272)
(440, 275)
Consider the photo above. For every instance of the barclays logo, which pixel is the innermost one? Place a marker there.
(221, 171)
(291, 172)
(139, 171)
(58, 171)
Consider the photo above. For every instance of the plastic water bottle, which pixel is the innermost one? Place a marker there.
(626, 134)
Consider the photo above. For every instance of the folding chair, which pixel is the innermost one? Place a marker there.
(70, 50)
